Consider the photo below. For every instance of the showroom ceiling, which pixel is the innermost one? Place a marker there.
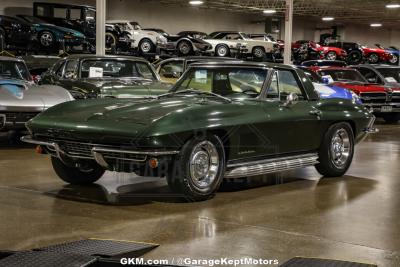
(364, 11)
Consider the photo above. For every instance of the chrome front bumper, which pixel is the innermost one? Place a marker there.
(97, 152)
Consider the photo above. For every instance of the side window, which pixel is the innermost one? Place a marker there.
(58, 68)
(144, 71)
(200, 80)
(288, 84)
(173, 69)
(75, 13)
(60, 12)
(273, 89)
(370, 75)
(71, 69)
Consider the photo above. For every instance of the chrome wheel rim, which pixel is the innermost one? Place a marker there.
(393, 60)
(258, 52)
(331, 56)
(222, 51)
(340, 148)
(204, 165)
(145, 46)
(46, 39)
(184, 48)
(373, 58)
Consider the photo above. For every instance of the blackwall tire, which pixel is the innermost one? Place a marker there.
(185, 48)
(394, 60)
(331, 55)
(77, 176)
(258, 52)
(47, 39)
(222, 50)
(373, 58)
(146, 46)
(336, 151)
(198, 170)
(354, 57)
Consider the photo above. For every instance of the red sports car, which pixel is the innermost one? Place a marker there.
(375, 96)
(325, 52)
(375, 55)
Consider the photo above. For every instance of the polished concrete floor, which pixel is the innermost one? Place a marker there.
(356, 217)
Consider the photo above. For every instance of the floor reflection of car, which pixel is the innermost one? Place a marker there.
(90, 76)
(170, 70)
(220, 120)
(20, 98)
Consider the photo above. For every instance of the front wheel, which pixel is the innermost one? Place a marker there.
(394, 60)
(331, 55)
(47, 39)
(111, 41)
(198, 170)
(336, 151)
(146, 46)
(354, 57)
(222, 50)
(373, 58)
(185, 48)
(258, 52)
(88, 174)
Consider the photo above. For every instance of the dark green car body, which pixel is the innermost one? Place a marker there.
(93, 87)
(124, 134)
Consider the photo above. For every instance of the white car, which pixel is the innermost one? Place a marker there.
(257, 48)
(144, 41)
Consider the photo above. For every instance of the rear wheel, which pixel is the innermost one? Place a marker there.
(198, 170)
(47, 39)
(185, 48)
(222, 50)
(336, 151)
(77, 176)
(146, 46)
(391, 118)
(331, 55)
(373, 58)
(394, 60)
(111, 41)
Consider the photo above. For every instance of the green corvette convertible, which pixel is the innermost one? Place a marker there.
(221, 120)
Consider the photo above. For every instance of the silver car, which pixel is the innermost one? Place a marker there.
(20, 98)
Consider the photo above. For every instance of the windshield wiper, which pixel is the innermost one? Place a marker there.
(196, 91)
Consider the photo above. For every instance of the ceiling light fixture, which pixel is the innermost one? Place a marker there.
(392, 5)
(269, 11)
(196, 3)
(376, 24)
(328, 18)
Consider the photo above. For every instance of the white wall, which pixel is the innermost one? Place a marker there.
(175, 19)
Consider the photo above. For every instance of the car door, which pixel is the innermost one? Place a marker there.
(293, 128)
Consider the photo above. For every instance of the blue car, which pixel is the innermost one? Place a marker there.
(333, 91)
(392, 50)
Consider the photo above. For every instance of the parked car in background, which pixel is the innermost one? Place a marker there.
(91, 76)
(183, 134)
(15, 33)
(117, 38)
(355, 54)
(50, 36)
(39, 64)
(308, 50)
(376, 55)
(183, 45)
(170, 70)
(256, 48)
(81, 18)
(143, 40)
(392, 50)
(372, 95)
(20, 98)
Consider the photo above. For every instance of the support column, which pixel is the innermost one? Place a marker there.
(100, 27)
(288, 32)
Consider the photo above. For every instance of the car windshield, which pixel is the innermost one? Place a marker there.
(392, 75)
(343, 75)
(113, 68)
(245, 35)
(227, 82)
(14, 70)
(90, 15)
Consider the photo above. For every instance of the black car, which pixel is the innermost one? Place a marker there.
(14, 33)
(354, 51)
(81, 18)
(183, 44)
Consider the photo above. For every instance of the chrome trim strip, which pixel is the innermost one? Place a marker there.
(150, 153)
(271, 165)
(28, 139)
(99, 159)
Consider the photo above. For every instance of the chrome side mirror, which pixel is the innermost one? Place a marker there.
(291, 100)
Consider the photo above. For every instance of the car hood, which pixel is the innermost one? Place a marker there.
(114, 117)
(61, 29)
(21, 96)
(361, 87)
(124, 88)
